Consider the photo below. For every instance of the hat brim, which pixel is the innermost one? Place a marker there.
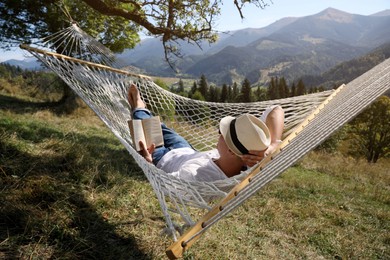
(224, 128)
(264, 141)
(224, 125)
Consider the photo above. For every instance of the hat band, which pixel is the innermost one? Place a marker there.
(233, 135)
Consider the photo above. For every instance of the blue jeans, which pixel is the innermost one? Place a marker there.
(172, 140)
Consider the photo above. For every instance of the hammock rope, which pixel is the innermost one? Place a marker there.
(335, 112)
(90, 70)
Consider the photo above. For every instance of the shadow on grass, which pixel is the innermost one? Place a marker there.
(43, 212)
(86, 236)
(20, 106)
(61, 107)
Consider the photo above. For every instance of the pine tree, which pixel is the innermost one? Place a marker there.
(214, 94)
(261, 94)
(293, 92)
(180, 88)
(301, 89)
(246, 91)
(280, 87)
(203, 86)
(224, 93)
(283, 88)
(313, 90)
(230, 94)
(273, 89)
(235, 92)
(194, 88)
(257, 93)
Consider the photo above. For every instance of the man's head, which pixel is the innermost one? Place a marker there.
(244, 133)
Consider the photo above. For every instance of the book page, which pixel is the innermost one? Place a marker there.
(137, 133)
(153, 131)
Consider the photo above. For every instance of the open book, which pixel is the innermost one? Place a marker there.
(146, 130)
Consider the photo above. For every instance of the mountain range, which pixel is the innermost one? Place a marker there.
(290, 47)
(306, 47)
(27, 63)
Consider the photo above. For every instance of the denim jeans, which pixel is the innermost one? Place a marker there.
(172, 140)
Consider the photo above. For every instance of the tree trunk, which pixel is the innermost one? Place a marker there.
(69, 101)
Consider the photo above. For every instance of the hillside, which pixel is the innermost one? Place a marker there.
(349, 70)
(290, 47)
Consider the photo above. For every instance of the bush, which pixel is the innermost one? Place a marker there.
(371, 131)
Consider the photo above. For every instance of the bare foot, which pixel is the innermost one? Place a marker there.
(134, 98)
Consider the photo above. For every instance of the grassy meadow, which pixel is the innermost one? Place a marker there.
(69, 190)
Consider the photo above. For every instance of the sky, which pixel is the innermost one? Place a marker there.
(230, 20)
(278, 9)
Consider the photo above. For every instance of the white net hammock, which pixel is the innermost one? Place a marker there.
(90, 70)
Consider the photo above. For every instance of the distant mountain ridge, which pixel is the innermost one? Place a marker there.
(291, 47)
(28, 63)
(349, 70)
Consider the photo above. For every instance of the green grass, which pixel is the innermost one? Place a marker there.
(69, 190)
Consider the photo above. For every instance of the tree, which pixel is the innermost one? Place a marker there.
(116, 21)
(180, 87)
(203, 86)
(234, 93)
(260, 94)
(273, 90)
(283, 88)
(313, 90)
(246, 91)
(214, 94)
(230, 93)
(301, 89)
(193, 89)
(293, 92)
(224, 93)
(25, 20)
(371, 130)
(198, 96)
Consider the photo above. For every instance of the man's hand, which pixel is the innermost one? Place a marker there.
(253, 157)
(147, 152)
(256, 156)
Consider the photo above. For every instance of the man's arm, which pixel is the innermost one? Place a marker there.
(275, 124)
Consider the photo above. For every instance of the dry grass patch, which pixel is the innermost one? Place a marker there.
(306, 214)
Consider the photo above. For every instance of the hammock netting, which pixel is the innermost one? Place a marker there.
(93, 73)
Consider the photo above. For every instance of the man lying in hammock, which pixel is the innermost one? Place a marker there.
(243, 142)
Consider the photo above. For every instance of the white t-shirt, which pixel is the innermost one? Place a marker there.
(191, 165)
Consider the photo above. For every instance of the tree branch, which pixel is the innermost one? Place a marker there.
(105, 9)
(171, 19)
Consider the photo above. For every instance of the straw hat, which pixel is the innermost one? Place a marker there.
(245, 133)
